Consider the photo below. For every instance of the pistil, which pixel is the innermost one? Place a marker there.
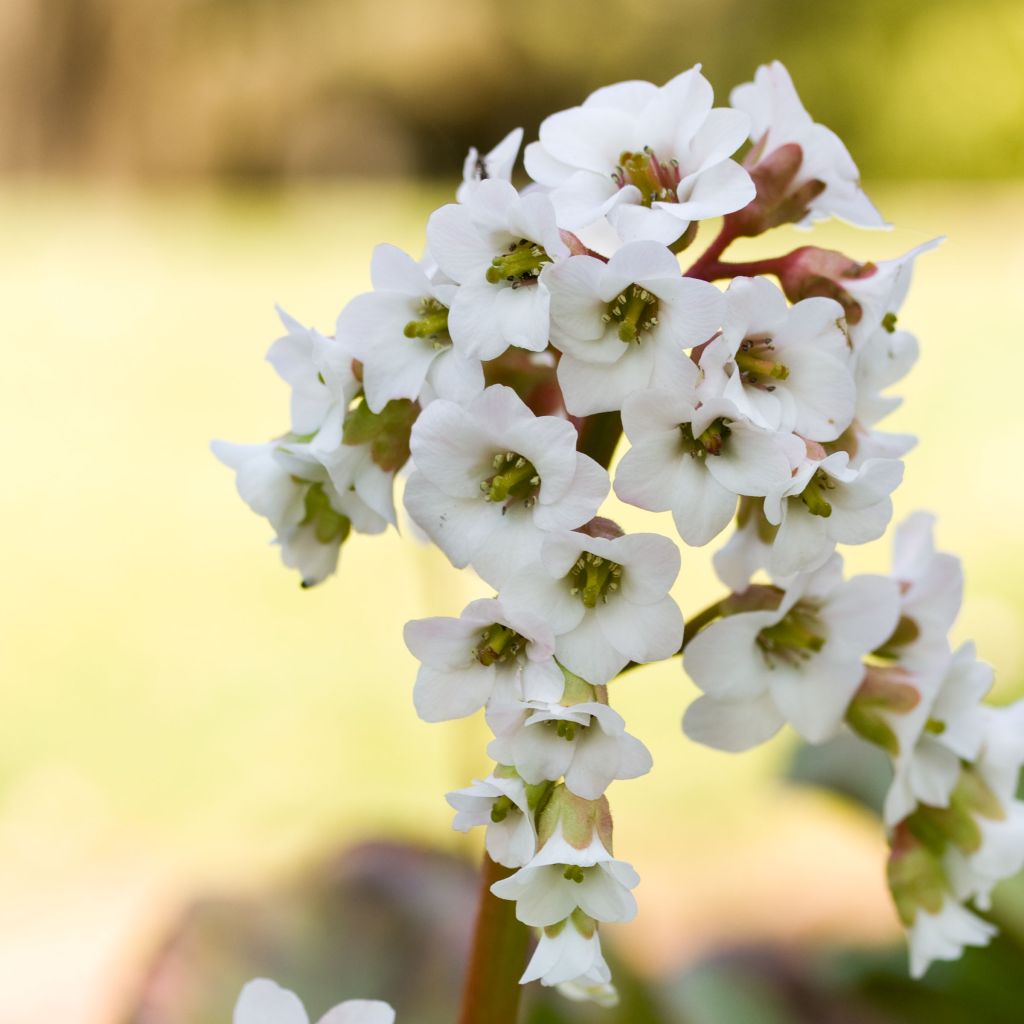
(432, 322)
(593, 578)
(523, 262)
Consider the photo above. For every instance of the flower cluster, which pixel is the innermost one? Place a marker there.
(540, 325)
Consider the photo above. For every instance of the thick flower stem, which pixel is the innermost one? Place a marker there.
(496, 960)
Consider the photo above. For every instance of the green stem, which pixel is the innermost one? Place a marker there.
(491, 991)
(700, 620)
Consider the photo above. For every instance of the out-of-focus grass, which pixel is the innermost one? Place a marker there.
(168, 685)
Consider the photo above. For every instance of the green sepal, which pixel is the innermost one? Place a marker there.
(916, 877)
(386, 432)
(577, 690)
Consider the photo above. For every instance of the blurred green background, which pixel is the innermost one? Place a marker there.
(188, 739)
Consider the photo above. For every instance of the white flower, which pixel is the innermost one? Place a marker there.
(590, 989)
(497, 164)
(319, 371)
(485, 653)
(492, 477)
(1001, 852)
(943, 936)
(399, 332)
(931, 587)
(568, 951)
(263, 1002)
(587, 743)
(784, 367)
(606, 601)
(799, 662)
(499, 802)
(778, 118)
(829, 502)
(292, 491)
(494, 246)
(623, 325)
(651, 159)
(880, 294)
(883, 358)
(695, 459)
(947, 726)
(561, 878)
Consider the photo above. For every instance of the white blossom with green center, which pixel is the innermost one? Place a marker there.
(800, 662)
(829, 502)
(289, 487)
(399, 332)
(606, 601)
(624, 325)
(651, 159)
(494, 246)
(696, 459)
(785, 368)
(488, 653)
(492, 479)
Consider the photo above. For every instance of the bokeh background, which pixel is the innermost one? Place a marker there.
(206, 773)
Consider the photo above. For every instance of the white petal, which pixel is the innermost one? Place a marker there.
(732, 726)
(263, 1002)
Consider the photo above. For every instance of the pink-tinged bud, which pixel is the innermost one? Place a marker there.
(883, 692)
(606, 529)
(810, 271)
(576, 246)
(386, 432)
(357, 370)
(779, 200)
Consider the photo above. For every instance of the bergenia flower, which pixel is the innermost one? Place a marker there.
(319, 371)
(943, 935)
(491, 478)
(798, 662)
(399, 332)
(606, 601)
(500, 803)
(784, 367)
(293, 492)
(264, 1002)
(777, 119)
(561, 878)
(569, 951)
(494, 246)
(486, 652)
(623, 325)
(587, 743)
(829, 502)
(696, 458)
(650, 159)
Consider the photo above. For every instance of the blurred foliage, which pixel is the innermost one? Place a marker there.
(277, 88)
(393, 922)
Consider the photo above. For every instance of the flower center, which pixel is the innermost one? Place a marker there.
(514, 479)
(593, 578)
(794, 638)
(756, 363)
(498, 644)
(328, 524)
(500, 809)
(520, 265)
(656, 181)
(813, 495)
(432, 323)
(573, 873)
(635, 310)
(708, 443)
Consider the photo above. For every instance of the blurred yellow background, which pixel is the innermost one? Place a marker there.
(177, 713)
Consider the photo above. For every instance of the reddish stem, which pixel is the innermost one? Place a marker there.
(491, 991)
